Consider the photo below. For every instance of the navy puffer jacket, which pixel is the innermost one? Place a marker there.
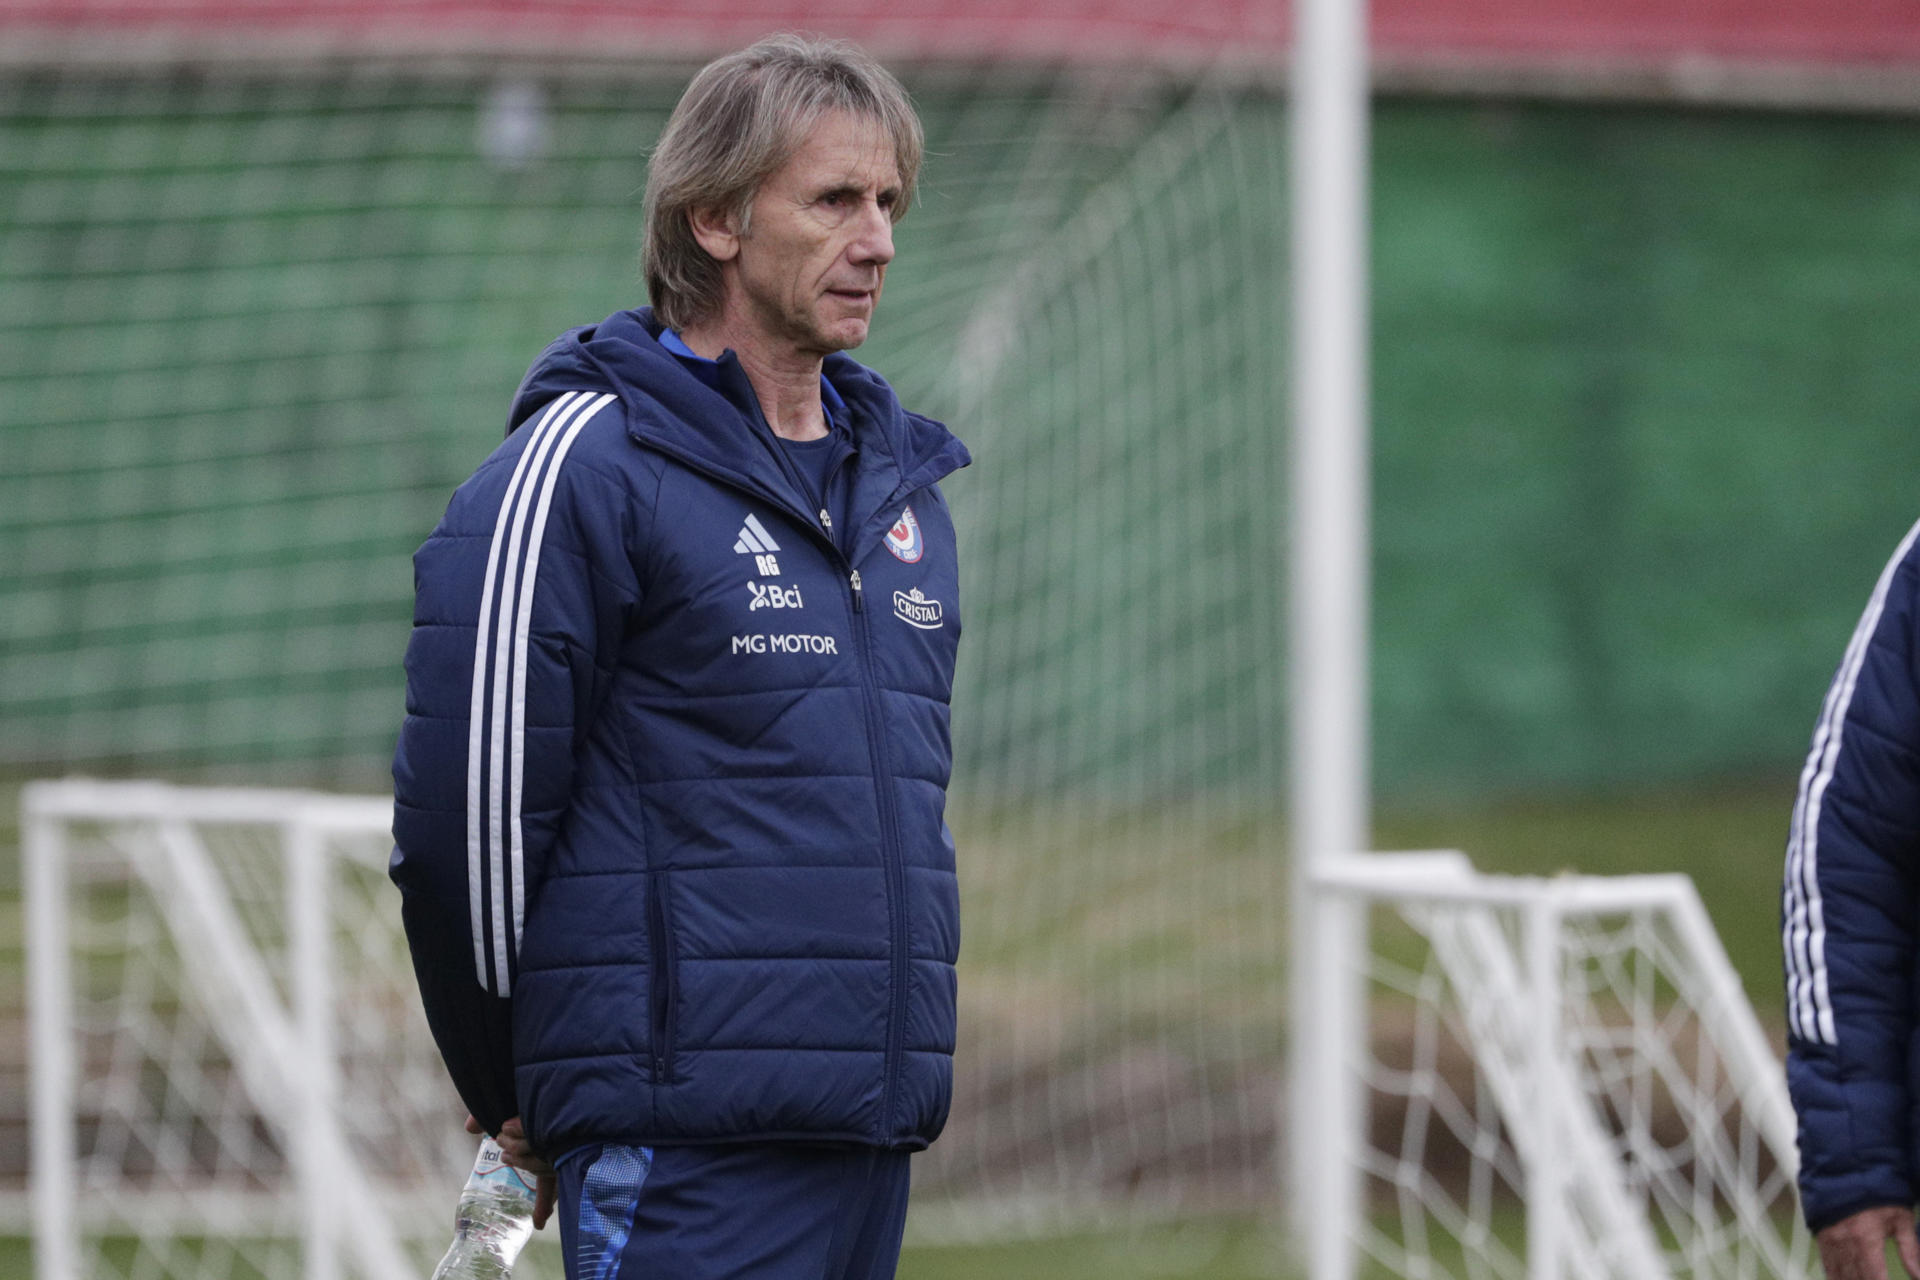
(1850, 917)
(669, 796)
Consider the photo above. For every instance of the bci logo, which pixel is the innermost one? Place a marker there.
(773, 597)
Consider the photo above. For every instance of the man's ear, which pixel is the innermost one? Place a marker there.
(717, 233)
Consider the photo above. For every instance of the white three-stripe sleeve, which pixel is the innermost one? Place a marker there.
(505, 654)
(521, 628)
(1809, 1006)
(477, 845)
(1800, 1012)
(484, 749)
(508, 717)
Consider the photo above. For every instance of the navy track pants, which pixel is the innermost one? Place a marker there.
(774, 1211)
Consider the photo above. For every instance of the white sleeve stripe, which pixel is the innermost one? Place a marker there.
(1799, 961)
(477, 717)
(503, 657)
(1810, 1005)
(1803, 960)
(1800, 884)
(1799, 993)
(1815, 1012)
(521, 627)
(476, 720)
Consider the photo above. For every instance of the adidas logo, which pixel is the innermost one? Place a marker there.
(755, 541)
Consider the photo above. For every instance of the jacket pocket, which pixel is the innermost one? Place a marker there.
(661, 994)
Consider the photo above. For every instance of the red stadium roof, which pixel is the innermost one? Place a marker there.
(1857, 32)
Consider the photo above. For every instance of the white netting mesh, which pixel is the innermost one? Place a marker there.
(1120, 1053)
(1121, 1028)
(267, 322)
(187, 1103)
(1107, 1078)
(261, 325)
(1121, 1011)
(1650, 1100)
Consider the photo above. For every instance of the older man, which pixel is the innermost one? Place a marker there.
(670, 790)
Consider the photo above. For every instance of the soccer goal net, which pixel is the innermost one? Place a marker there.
(266, 316)
(1562, 1078)
(231, 1076)
(278, 309)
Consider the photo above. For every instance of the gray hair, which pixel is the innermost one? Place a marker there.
(742, 118)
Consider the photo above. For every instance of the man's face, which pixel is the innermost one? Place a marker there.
(810, 266)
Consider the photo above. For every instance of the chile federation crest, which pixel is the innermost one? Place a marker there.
(904, 539)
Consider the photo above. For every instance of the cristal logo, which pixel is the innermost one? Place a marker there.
(773, 597)
(913, 608)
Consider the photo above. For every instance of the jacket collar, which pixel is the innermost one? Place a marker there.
(670, 409)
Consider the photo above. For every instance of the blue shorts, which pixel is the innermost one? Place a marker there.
(775, 1211)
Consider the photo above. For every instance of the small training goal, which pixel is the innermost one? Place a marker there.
(1541, 1078)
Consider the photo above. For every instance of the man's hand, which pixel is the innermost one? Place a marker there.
(1855, 1248)
(517, 1153)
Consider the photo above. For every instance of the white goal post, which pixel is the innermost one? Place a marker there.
(230, 1072)
(1566, 1082)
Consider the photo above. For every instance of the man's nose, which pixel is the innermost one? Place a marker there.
(874, 243)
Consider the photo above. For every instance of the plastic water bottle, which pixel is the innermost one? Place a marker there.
(493, 1221)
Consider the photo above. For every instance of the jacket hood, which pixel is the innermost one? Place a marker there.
(670, 409)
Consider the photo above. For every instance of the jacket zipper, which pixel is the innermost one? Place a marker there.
(892, 857)
(660, 979)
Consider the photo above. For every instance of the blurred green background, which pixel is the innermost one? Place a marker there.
(1644, 407)
(1644, 399)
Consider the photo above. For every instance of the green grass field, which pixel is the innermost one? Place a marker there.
(1216, 1251)
(1730, 838)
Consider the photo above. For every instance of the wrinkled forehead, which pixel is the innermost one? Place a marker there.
(843, 148)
